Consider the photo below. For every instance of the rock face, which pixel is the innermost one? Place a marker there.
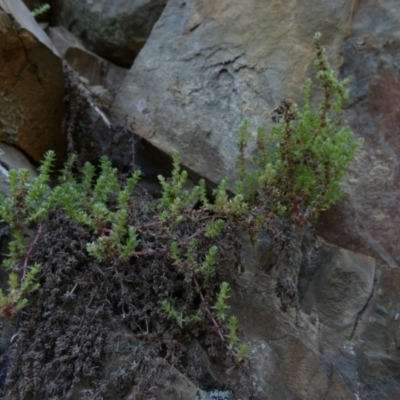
(95, 69)
(340, 288)
(209, 64)
(31, 84)
(113, 29)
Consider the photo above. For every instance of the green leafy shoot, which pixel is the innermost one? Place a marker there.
(213, 230)
(37, 12)
(232, 327)
(174, 253)
(221, 305)
(178, 316)
(242, 352)
(208, 266)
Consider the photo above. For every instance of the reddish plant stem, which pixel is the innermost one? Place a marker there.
(199, 232)
(150, 252)
(28, 253)
(215, 323)
(148, 225)
(180, 243)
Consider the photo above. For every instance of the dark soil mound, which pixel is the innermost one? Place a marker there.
(96, 330)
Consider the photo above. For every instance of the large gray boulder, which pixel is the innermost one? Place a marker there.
(341, 287)
(209, 64)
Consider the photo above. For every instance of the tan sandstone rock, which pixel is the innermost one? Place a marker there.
(31, 84)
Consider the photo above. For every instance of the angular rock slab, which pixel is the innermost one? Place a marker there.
(113, 29)
(334, 284)
(209, 64)
(31, 84)
(341, 288)
(95, 69)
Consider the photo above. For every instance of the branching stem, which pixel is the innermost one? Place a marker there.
(215, 323)
(28, 253)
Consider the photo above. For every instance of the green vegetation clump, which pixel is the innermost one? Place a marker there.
(99, 203)
(302, 159)
(27, 203)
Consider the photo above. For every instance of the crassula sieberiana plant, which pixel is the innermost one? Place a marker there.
(302, 159)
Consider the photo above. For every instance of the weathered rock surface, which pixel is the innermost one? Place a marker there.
(340, 288)
(95, 69)
(62, 39)
(113, 29)
(343, 344)
(31, 84)
(209, 64)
